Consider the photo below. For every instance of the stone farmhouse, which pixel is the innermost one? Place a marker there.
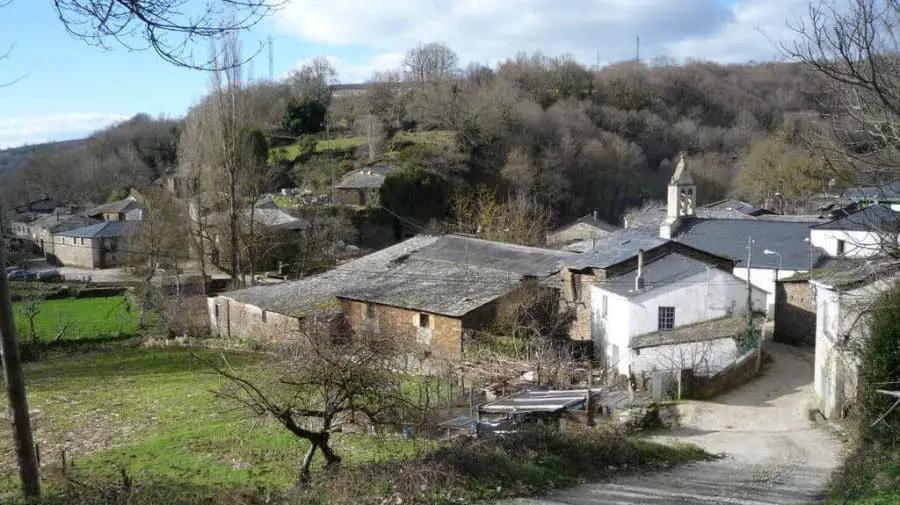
(436, 290)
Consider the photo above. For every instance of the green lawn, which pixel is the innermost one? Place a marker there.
(78, 318)
(291, 151)
(152, 412)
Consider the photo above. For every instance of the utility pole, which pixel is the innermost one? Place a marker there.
(15, 389)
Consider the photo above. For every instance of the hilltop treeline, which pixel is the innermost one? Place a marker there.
(572, 138)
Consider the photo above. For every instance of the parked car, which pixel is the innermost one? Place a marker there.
(48, 275)
(20, 275)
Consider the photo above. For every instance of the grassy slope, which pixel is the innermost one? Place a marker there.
(85, 317)
(151, 411)
(322, 146)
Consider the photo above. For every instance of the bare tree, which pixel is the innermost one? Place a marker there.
(519, 220)
(315, 79)
(219, 149)
(385, 97)
(167, 27)
(855, 48)
(430, 63)
(30, 308)
(322, 382)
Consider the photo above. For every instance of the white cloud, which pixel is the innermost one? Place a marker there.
(17, 131)
(360, 71)
(491, 30)
(755, 32)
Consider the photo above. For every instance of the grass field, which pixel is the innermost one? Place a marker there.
(79, 318)
(153, 413)
(338, 144)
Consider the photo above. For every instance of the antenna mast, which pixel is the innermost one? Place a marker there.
(271, 61)
(637, 53)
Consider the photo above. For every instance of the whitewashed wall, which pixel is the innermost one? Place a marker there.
(704, 357)
(709, 295)
(857, 244)
(764, 279)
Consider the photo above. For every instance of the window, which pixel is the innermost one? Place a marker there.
(263, 316)
(216, 311)
(423, 320)
(841, 245)
(604, 306)
(666, 318)
(370, 311)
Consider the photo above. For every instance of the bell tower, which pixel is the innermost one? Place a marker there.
(681, 200)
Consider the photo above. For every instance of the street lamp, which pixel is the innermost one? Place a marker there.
(770, 252)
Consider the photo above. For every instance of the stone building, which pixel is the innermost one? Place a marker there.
(361, 187)
(435, 291)
(585, 230)
(96, 246)
(795, 311)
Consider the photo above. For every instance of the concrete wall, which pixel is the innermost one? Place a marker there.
(795, 313)
(825, 382)
(857, 244)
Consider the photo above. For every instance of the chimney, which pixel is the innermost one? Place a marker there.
(639, 278)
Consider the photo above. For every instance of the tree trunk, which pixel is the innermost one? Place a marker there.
(319, 441)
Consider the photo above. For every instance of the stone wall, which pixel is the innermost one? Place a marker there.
(76, 251)
(232, 319)
(441, 334)
(795, 313)
(349, 196)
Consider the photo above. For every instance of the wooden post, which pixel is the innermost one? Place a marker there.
(15, 390)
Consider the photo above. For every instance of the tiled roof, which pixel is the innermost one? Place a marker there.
(365, 178)
(125, 205)
(701, 332)
(617, 247)
(875, 217)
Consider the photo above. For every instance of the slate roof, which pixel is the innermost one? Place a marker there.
(105, 229)
(864, 273)
(737, 205)
(728, 237)
(658, 273)
(426, 273)
(523, 260)
(277, 219)
(701, 332)
(125, 205)
(55, 224)
(365, 178)
(874, 217)
(617, 247)
(889, 191)
(651, 217)
(589, 220)
(436, 286)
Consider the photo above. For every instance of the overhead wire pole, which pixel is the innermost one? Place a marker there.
(15, 389)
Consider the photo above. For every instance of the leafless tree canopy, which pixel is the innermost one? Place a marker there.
(855, 47)
(168, 27)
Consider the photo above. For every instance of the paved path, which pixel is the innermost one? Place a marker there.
(774, 454)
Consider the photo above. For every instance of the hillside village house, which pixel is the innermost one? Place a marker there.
(436, 290)
(776, 246)
(101, 245)
(865, 233)
(361, 187)
(127, 209)
(634, 315)
(887, 195)
(842, 299)
(583, 231)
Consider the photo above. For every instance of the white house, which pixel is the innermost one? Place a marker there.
(862, 234)
(842, 301)
(774, 247)
(670, 292)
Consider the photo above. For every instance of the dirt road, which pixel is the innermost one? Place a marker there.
(774, 454)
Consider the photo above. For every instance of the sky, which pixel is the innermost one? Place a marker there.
(63, 88)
